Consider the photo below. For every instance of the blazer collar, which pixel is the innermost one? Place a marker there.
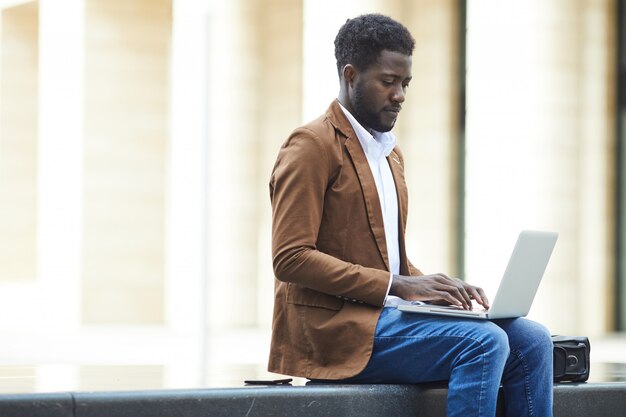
(339, 120)
(375, 144)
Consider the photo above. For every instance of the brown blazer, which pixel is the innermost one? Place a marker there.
(329, 251)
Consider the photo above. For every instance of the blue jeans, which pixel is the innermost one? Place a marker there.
(475, 356)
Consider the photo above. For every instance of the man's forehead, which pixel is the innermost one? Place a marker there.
(394, 63)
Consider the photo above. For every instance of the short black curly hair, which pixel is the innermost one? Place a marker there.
(361, 40)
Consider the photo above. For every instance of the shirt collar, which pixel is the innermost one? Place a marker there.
(375, 144)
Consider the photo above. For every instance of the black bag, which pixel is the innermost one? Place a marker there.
(571, 358)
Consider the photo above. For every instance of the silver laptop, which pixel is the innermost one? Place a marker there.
(518, 286)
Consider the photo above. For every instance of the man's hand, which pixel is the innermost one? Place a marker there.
(438, 289)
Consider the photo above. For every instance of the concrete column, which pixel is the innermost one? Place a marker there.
(280, 111)
(60, 162)
(233, 134)
(19, 71)
(596, 173)
(126, 130)
(186, 215)
(427, 134)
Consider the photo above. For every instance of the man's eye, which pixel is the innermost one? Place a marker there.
(388, 82)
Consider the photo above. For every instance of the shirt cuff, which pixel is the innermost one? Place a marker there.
(389, 287)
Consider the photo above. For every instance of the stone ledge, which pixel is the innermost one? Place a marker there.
(571, 400)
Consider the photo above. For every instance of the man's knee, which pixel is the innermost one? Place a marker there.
(541, 340)
(530, 339)
(488, 345)
(488, 341)
(496, 342)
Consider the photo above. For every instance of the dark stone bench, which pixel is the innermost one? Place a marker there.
(571, 400)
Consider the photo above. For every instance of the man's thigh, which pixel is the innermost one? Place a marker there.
(414, 348)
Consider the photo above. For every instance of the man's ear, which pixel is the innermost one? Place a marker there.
(349, 74)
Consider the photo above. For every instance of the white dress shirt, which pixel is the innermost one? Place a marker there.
(377, 147)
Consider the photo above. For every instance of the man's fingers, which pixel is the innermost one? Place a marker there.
(451, 290)
(483, 297)
(457, 296)
(467, 297)
(479, 295)
(449, 298)
(461, 292)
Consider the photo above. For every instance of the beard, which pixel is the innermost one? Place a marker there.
(368, 117)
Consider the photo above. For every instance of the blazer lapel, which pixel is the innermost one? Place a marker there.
(370, 195)
(397, 170)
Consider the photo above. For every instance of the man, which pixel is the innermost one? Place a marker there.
(339, 206)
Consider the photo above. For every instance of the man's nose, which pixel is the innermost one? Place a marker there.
(398, 94)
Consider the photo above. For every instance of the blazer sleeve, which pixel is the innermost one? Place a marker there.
(298, 184)
(413, 270)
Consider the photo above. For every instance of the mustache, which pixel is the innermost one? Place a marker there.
(395, 108)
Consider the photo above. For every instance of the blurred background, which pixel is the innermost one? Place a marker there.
(137, 138)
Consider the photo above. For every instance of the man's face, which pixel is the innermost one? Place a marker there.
(377, 94)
